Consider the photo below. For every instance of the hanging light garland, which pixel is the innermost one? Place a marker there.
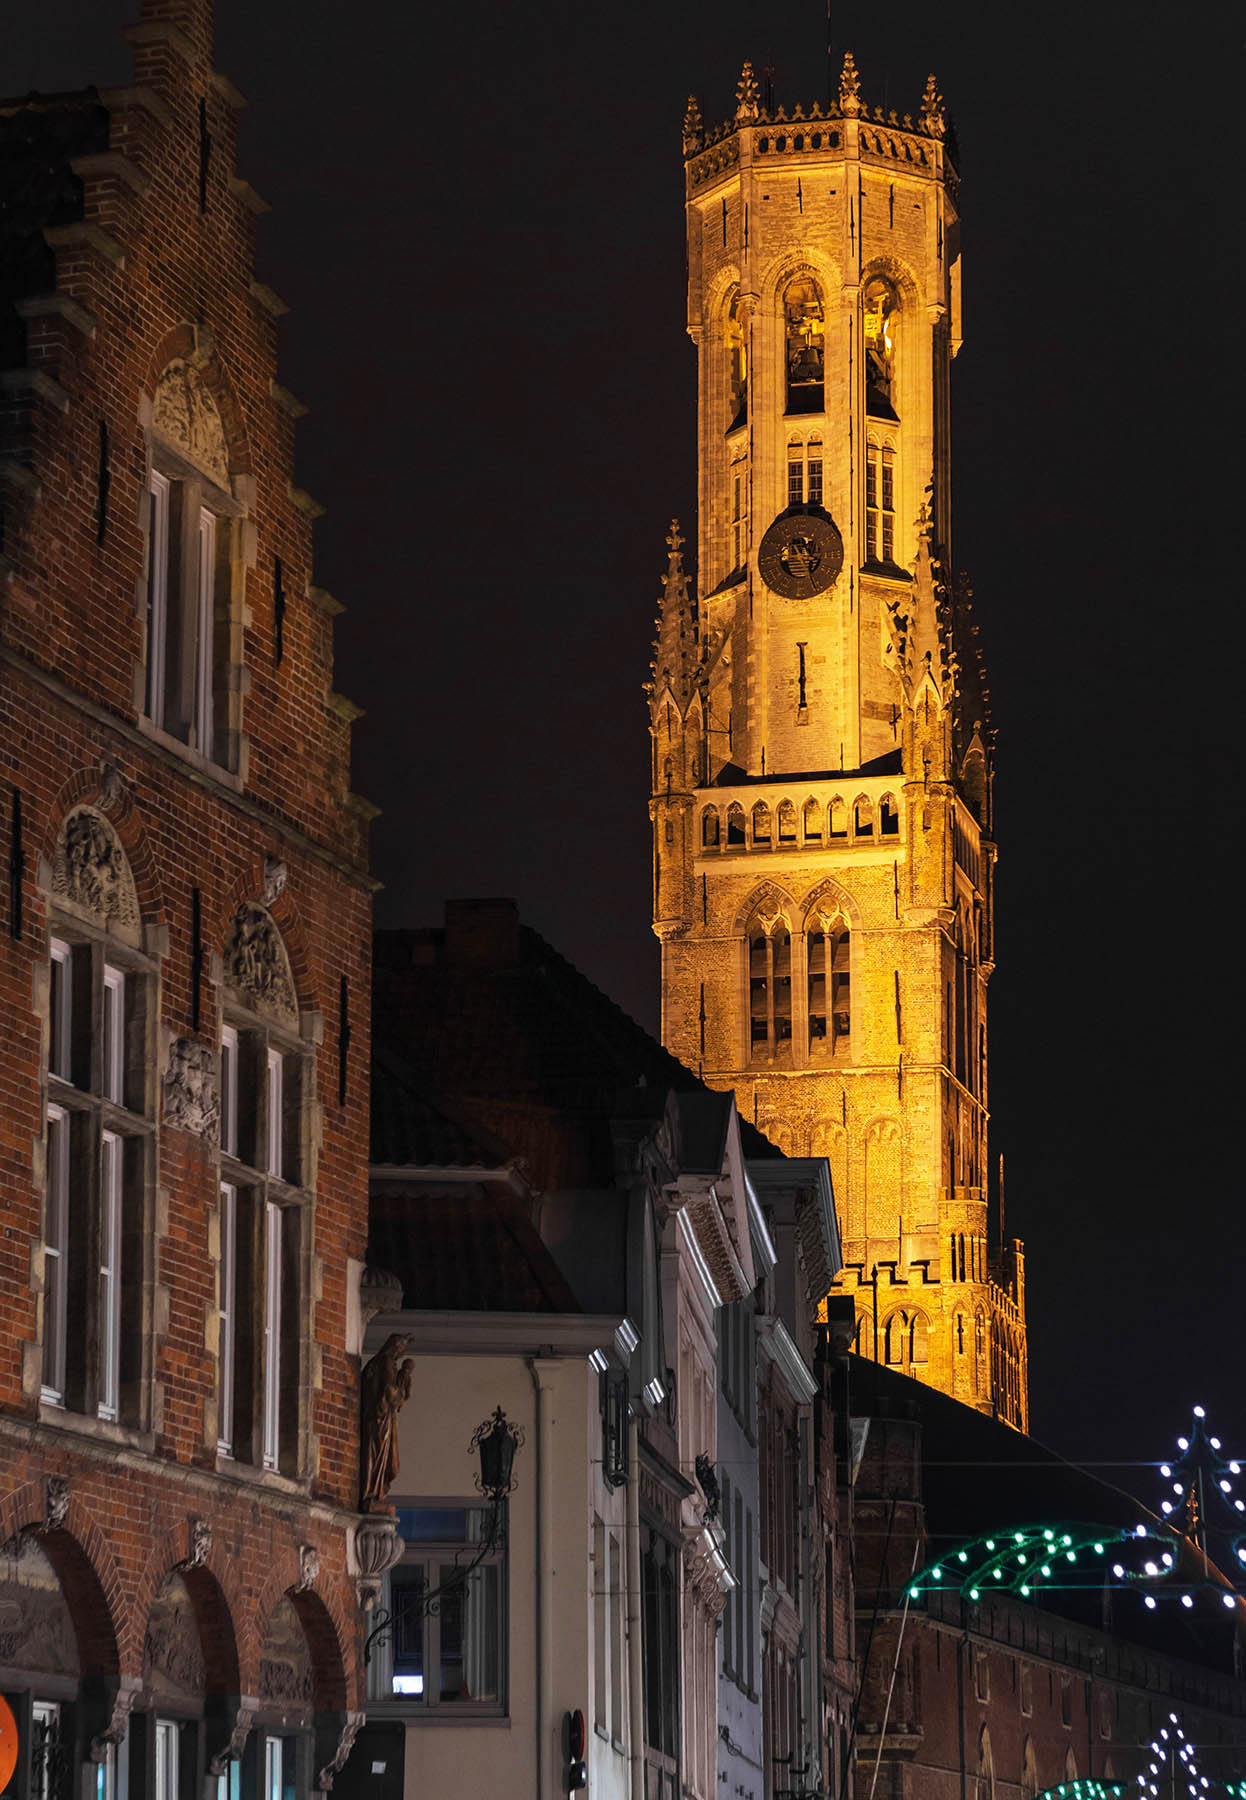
(1196, 1550)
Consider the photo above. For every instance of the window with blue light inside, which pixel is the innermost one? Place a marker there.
(442, 1648)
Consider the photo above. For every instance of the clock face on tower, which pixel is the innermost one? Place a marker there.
(801, 554)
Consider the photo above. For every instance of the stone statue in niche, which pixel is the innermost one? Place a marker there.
(185, 413)
(256, 960)
(191, 1099)
(90, 869)
(386, 1386)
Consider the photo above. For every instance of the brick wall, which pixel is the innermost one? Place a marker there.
(131, 246)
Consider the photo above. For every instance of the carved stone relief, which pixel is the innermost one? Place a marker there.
(285, 1661)
(55, 1502)
(91, 870)
(173, 1666)
(200, 1544)
(309, 1568)
(186, 415)
(275, 877)
(36, 1630)
(191, 1098)
(256, 961)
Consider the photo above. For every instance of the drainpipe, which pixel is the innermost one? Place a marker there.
(635, 1660)
(540, 1369)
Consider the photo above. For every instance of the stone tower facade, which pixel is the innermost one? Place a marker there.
(822, 764)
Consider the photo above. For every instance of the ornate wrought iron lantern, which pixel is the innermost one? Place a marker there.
(495, 1440)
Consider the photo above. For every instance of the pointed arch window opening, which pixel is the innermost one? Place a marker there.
(829, 995)
(770, 990)
(736, 338)
(881, 322)
(804, 323)
(812, 821)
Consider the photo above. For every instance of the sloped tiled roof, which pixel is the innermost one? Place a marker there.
(466, 1248)
(412, 1130)
(522, 1041)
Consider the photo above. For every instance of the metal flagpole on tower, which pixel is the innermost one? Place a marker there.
(830, 70)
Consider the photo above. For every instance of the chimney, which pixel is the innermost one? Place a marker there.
(485, 932)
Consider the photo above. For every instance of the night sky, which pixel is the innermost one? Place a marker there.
(478, 223)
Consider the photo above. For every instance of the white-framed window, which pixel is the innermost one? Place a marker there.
(184, 540)
(272, 1335)
(229, 1090)
(263, 1078)
(205, 609)
(46, 1749)
(229, 1783)
(106, 1774)
(227, 1316)
(159, 490)
(279, 1758)
(55, 1235)
(111, 1153)
(453, 1658)
(167, 1735)
(113, 1047)
(60, 1010)
(275, 1066)
(100, 1120)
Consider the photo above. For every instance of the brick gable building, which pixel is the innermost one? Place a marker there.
(183, 972)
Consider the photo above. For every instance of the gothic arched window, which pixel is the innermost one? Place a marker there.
(761, 823)
(919, 1339)
(837, 824)
(863, 818)
(709, 828)
(769, 987)
(736, 335)
(735, 827)
(893, 1339)
(804, 327)
(888, 816)
(829, 979)
(882, 308)
(813, 822)
(787, 822)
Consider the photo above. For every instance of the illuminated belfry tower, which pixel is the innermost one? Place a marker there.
(821, 793)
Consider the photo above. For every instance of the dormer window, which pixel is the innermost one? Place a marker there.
(804, 326)
(881, 318)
